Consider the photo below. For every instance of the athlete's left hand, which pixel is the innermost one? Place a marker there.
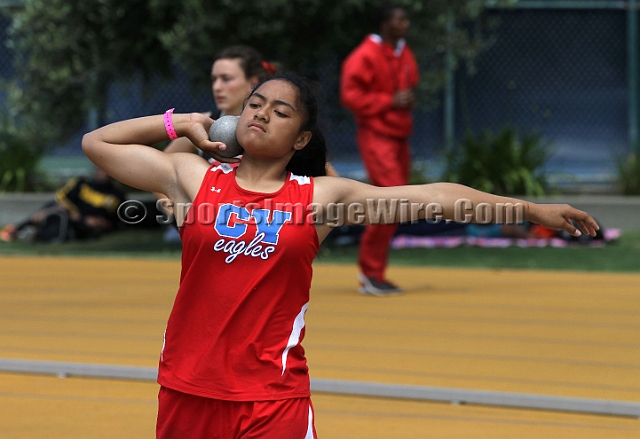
(562, 216)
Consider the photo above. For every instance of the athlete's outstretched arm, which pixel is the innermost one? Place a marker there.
(445, 201)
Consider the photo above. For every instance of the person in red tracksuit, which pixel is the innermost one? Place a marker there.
(377, 83)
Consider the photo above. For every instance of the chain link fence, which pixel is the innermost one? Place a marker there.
(6, 60)
(563, 71)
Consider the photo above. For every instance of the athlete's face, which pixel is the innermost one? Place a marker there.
(270, 124)
(230, 86)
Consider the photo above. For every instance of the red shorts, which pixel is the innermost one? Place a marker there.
(184, 416)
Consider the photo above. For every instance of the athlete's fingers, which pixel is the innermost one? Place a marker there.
(585, 222)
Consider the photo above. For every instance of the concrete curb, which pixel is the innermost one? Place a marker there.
(342, 387)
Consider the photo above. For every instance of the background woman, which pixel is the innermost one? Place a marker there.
(235, 72)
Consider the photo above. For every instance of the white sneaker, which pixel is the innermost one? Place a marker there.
(374, 287)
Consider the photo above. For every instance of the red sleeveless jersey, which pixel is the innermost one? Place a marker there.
(238, 319)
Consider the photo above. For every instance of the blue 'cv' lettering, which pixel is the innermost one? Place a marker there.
(227, 227)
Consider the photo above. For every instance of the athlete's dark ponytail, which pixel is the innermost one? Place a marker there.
(312, 159)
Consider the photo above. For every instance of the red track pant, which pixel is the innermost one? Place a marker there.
(387, 161)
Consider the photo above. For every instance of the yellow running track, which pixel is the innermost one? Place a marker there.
(546, 333)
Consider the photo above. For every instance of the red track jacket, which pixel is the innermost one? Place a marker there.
(370, 76)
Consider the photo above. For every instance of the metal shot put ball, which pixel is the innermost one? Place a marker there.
(224, 130)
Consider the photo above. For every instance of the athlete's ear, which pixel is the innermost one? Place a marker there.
(302, 140)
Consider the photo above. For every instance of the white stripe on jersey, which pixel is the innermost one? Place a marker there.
(294, 338)
(309, 434)
(301, 179)
(224, 167)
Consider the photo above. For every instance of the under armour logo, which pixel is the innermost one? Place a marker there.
(214, 189)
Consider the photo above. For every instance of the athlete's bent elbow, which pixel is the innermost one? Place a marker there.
(88, 142)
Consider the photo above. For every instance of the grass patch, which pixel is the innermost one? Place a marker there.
(619, 256)
(622, 255)
(127, 243)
